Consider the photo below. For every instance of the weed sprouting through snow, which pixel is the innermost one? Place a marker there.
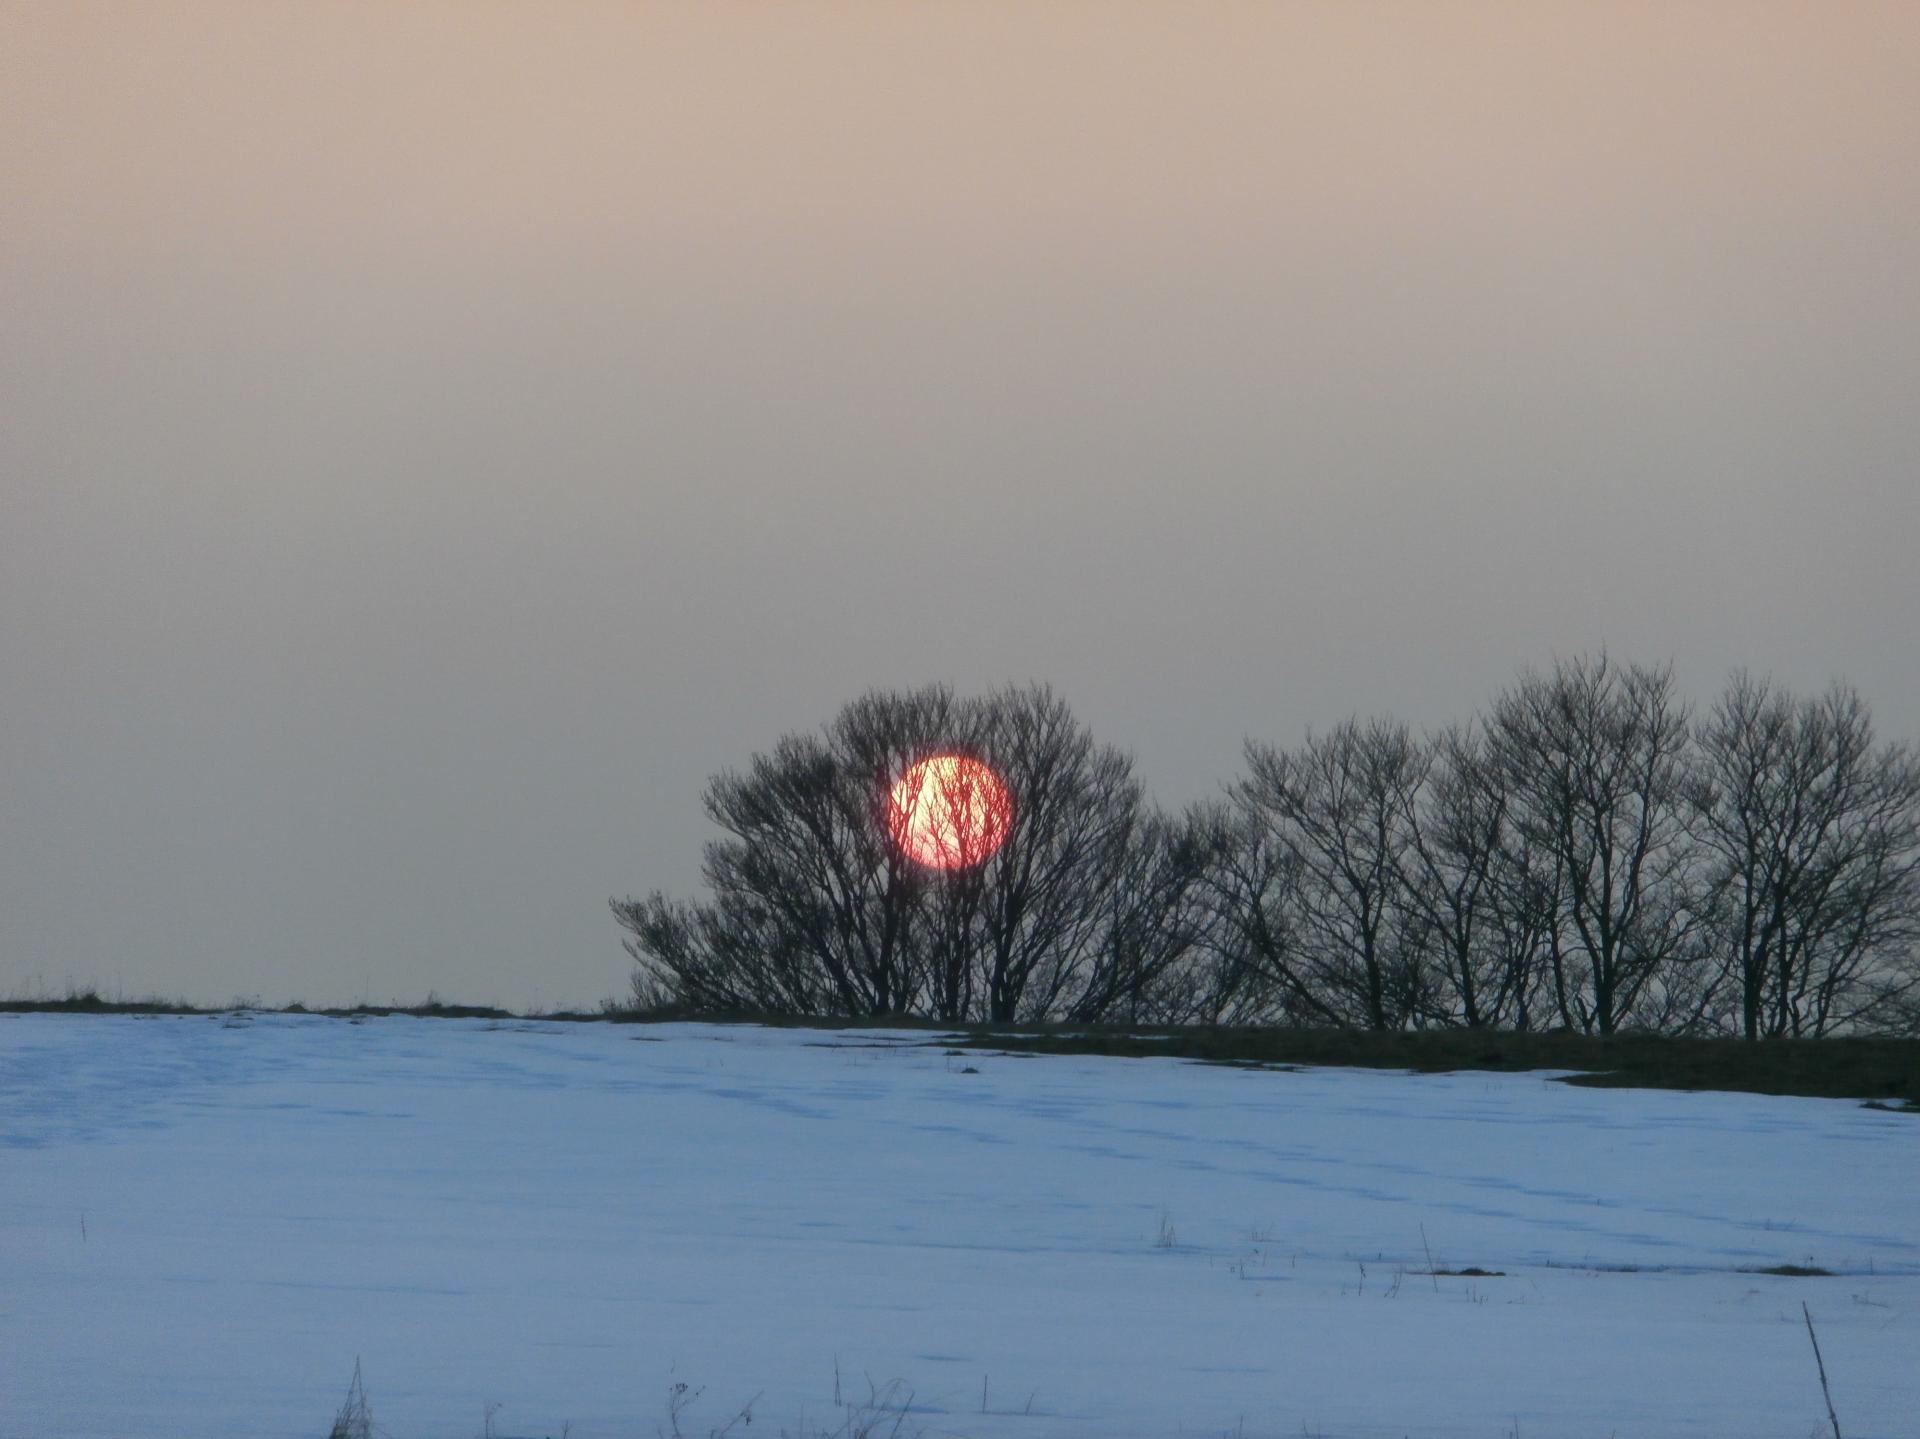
(355, 1419)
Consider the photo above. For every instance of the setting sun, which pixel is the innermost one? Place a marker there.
(949, 811)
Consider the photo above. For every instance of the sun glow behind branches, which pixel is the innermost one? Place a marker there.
(949, 812)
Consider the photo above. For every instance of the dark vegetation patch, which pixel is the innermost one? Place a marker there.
(88, 1001)
(877, 1044)
(1884, 1070)
(433, 1009)
(1470, 1272)
(1254, 1064)
(1793, 1271)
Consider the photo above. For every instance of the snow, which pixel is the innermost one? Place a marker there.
(568, 1219)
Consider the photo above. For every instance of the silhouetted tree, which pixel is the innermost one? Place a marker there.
(1336, 807)
(1814, 838)
(874, 740)
(1254, 971)
(1594, 759)
(1156, 921)
(1458, 847)
(817, 906)
(1077, 807)
(1584, 856)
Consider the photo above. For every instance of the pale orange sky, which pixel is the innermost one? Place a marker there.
(433, 438)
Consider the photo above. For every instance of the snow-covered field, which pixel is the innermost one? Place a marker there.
(203, 1222)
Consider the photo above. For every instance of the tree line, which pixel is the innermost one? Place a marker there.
(1588, 854)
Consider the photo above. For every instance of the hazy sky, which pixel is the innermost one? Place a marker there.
(438, 437)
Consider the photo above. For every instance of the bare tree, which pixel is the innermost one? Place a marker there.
(1814, 836)
(726, 954)
(808, 858)
(819, 907)
(1522, 927)
(785, 881)
(1253, 971)
(1045, 890)
(1758, 751)
(1156, 920)
(1582, 857)
(1336, 808)
(1594, 757)
(1459, 884)
(904, 922)
(815, 908)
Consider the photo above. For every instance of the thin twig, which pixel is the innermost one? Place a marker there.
(1424, 1245)
(1826, 1393)
(746, 1413)
(901, 1417)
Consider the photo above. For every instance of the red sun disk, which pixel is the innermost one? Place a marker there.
(949, 811)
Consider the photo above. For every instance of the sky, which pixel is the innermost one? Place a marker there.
(434, 439)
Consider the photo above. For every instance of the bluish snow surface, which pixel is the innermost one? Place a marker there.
(570, 1219)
